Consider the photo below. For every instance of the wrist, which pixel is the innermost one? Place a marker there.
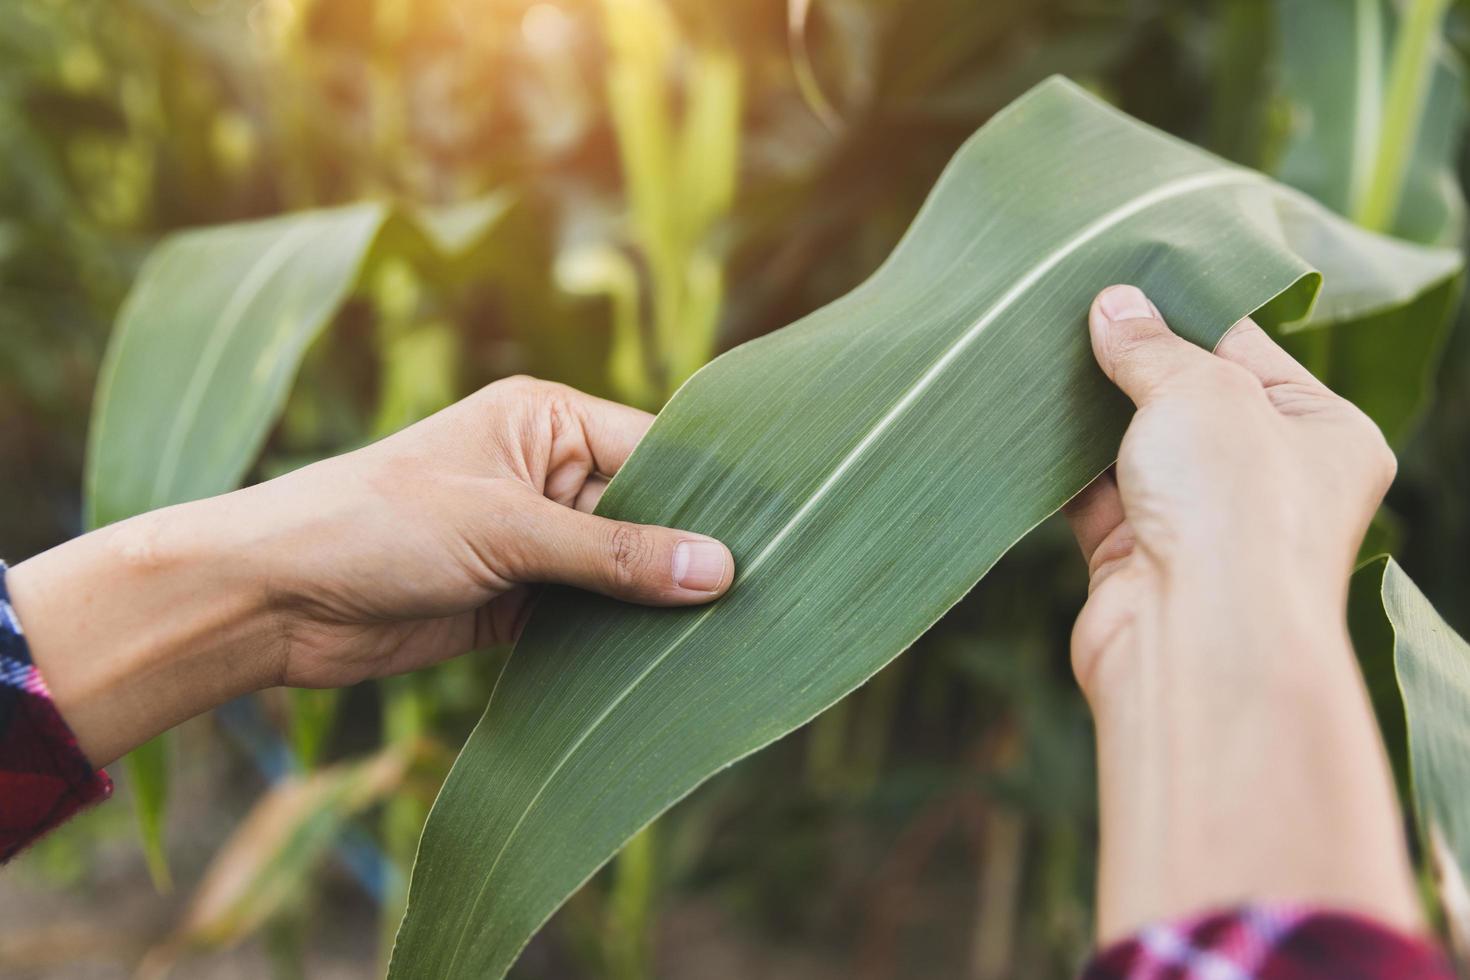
(146, 623)
(1239, 761)
(1202, 632)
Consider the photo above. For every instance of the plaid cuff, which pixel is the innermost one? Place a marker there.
(44, 777)
(1270, 943)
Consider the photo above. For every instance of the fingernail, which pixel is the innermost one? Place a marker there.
(699, 566)
(1126, 303)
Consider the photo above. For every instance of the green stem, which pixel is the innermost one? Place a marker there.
(628, 940)
(1410, 70)
(312, 713)
(1236, 120)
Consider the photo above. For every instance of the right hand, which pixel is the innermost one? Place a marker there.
(1238, 759)
(1238, 466)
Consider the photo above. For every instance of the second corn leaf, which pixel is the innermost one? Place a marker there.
(866, 466)
(1427, 723)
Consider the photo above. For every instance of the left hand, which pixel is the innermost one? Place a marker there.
(418, 548)
(426, 544)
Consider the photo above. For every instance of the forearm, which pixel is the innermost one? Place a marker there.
(144, 624)
(1239, 760)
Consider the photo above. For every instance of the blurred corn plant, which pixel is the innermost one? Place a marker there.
(608, 192)
(664, 280)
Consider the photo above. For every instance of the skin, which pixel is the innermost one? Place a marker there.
(415, 549)
(1238, 755)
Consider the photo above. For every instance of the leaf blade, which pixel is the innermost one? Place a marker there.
(951, 399)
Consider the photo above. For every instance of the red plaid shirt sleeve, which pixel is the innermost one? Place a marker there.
(44, 777)
(1270, 943)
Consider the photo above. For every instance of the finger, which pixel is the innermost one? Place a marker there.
(1095, 513)
(1133, 345)
(655, 566)
(590, 494)
(1252, 348)
(612, 430)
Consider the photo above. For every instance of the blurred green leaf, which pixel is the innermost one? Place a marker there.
(205, 350)
(1334, 65)
(798, 12)
(1239, 123)
(825, 454)
(1429, 729)
(311, 716)
(270, 857)
(1336, 78)
(419, 369)
(455, 228)
(602, 270)
(679, 176)
(148, 781)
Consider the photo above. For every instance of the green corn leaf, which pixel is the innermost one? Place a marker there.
(205, 350)
(867, 466)
(147, 767)
(1426, 718)
(210, 338)
(1338, 65)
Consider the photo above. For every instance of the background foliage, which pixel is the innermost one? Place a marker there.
(607, 194)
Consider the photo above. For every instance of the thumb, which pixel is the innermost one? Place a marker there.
(641, 563)
(1135, 347)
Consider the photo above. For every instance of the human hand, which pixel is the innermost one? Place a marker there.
(1238, 465)
(427, 544)
(414, 549)
(1238, 758)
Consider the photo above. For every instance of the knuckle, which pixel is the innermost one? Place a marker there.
(1131, 339)
(630, 549)
(560, 415)
(1299, 398)
(517, 386)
